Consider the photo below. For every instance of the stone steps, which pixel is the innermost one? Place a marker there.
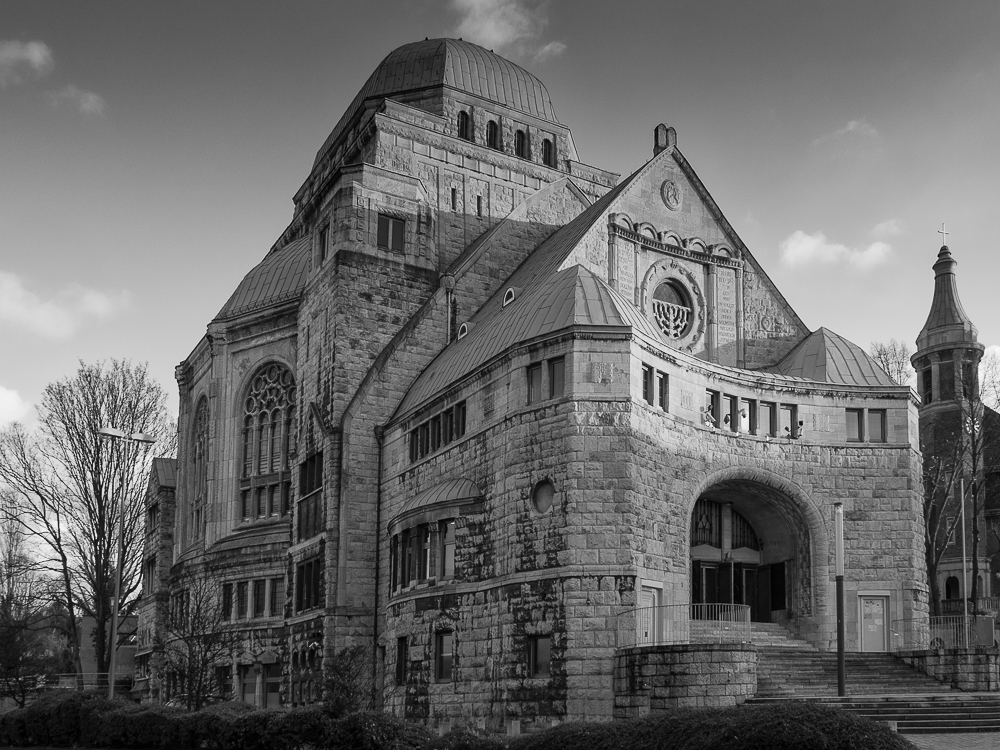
(788, 672)
(953, 713)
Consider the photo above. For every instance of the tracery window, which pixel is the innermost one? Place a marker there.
(199, 496)
(268, 444)
(672, 310)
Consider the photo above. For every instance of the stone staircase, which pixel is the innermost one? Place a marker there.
(791, 667)
(955, 713)
(878, 686)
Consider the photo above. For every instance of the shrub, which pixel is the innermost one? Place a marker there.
(466, 738)
(375, 731)
(789, 726)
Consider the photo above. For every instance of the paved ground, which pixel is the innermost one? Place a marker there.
(977, 741)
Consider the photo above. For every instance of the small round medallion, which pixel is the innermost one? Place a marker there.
(670, 191)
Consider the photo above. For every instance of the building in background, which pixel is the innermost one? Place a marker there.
(481, 400)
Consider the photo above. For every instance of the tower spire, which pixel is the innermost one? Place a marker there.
(947, 322)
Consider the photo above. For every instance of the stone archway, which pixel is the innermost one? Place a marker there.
(755, 539)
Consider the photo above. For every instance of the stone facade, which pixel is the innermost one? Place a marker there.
(702, 675)
(481, 401)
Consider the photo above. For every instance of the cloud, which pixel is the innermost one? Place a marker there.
(854, 131)
(87, 102)
(507, 26)
(55, 318)
(801, 249)
(13, 408)
(888, 228)
(20, 61)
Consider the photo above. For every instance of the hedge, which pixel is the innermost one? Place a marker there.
(89, 720)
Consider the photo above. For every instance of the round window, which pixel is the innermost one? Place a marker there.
(672, 309)
(542, 494)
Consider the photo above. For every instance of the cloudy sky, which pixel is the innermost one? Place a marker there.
(149, 150)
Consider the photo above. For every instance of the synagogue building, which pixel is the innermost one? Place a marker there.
(491, 415)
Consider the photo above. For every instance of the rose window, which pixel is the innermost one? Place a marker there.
(672, 310)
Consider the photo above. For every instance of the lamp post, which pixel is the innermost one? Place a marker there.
(838, 516)
(110, 433)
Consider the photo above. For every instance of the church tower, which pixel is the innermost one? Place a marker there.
(948, 350)
(946, 364)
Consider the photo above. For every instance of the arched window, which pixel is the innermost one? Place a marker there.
(493, 135)
(464, 126)
(521, 144)
(672, 309)
(951, 588)
(548, 153)
(268, 444)
(200, 473)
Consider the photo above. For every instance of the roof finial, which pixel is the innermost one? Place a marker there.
(944, 234)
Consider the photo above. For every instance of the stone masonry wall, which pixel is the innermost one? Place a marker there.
(654, 679)
(969, 669)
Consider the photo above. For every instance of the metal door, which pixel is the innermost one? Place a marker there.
(874, 628)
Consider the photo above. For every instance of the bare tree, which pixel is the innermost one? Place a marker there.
(73, 490)
(965, 458)
(197, 641)
(894, 358)
(30, 645)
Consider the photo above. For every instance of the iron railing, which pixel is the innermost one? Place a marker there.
(675, 624)
(84, 681)
(950, 631)
(982, 604)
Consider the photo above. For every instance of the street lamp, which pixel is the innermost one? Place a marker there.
(110, 433)
(838, 517)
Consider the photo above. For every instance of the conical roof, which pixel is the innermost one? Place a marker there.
(947, 322)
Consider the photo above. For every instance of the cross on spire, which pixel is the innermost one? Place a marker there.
(944, 234)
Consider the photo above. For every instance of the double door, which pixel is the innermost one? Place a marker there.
(761, 587)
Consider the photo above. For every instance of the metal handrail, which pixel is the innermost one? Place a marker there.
(949, 631)
(677, 624)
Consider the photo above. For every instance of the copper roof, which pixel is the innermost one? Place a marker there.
(456, 64)
(279, 277)
(448, 491)
(947, 321)
(165, 471)
(825, 357)
(548, 300)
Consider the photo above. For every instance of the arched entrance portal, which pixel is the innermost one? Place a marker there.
(750, 545)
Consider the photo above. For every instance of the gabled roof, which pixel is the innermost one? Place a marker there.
(825, 357)
(165, 472)
(454, 63)
(280, 276)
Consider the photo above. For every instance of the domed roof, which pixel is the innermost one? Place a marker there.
(279, 277)
(459, 65)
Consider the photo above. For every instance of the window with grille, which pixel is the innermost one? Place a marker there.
(268, 444)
